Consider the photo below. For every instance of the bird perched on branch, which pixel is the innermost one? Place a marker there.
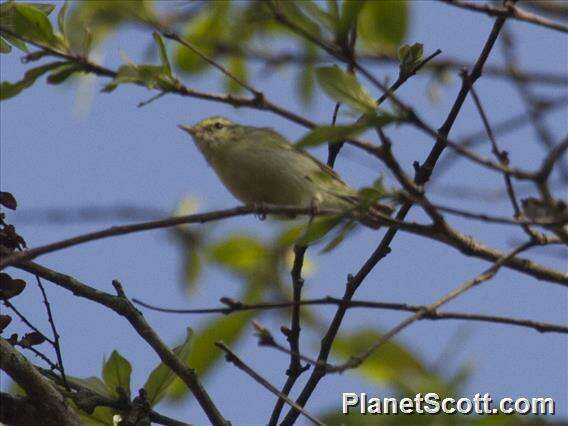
(259, 166)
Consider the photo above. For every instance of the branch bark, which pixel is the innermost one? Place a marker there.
(49, 404)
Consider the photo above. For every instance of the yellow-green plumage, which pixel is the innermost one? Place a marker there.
(257, 165)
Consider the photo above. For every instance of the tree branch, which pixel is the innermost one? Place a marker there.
(237, 306)
(486, 275)
(509, 11)
(240, 364)
(122, 306)
(49, 404)
(423, 173)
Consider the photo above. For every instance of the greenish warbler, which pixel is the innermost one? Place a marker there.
(258, 165)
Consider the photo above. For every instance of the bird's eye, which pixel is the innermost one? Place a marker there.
(218, 126)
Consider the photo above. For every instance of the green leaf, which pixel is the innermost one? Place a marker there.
(61, 17)
(96, 20)
(63, 73)
(204, 355)
(383, 24)
(344, 87)
(101, 416)
(391, 365)
(323, 134)
(163, 53)
(293, 11)
(162, 377)
(28, 21)
(239, 253)
(9, 90)
(45, 8)
(192, 268)
(93, 383)
(150, 76)
(207, 28)
(345, 230)
(16, 42)
(237, 66)
(116, 373)
(318, 228)
(350, 11)
(4, 47)
(331, 134)
(320, 16)
(410, 56)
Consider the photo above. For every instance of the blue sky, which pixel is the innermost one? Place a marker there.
(54, 154)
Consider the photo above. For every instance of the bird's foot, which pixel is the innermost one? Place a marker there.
(260, 209)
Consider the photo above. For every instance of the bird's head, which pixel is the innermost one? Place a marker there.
(212, 132)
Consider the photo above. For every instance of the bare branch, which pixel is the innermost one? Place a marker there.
(240, 364)
(486, 275)
(236, 306)
(509, 11)
(48, 403)
(423, 173)
(295, 368)
(122, 306)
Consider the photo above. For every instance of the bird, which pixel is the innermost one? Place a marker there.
(259, 166)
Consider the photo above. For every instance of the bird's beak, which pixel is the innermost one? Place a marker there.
(187, 129)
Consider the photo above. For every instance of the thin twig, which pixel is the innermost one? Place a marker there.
(295, 369)
(486, 275)
(26, 321)
(176, 37)
(156, 224)
(55, 342)
(236, 306)
(122, 306)
(509, 11)
(423, 173)
(530, 100)
(503, 158)
(240, 364)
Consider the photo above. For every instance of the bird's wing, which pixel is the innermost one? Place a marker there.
(325, 175)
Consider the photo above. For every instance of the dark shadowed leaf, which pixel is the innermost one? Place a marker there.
(32, 339)
(5, 320)
(63, 73)
(344, 87)
(116, 373)
(162, 377)
(8, 200)
(9, 90)
(10, 287)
